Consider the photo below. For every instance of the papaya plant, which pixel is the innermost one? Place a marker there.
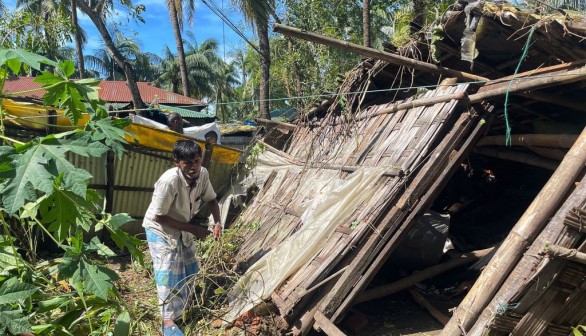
(42, 194)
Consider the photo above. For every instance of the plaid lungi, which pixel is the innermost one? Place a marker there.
(174, 268)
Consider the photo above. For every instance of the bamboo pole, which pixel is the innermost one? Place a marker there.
(370, 52)
(326, 325)
(521, 236)
(439, 316)
(517, 156)
(529, 84)
(487, 93)
(277, 124)
(561, 252)
(529, 140)
(525, 274)
(428, 273)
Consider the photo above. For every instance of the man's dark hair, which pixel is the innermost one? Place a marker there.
(211, 134)
(186, 150)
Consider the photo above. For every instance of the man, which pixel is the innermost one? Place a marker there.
(177, 197)
(211, 137)
(175, 122)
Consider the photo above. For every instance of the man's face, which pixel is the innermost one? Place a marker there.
(190, 168)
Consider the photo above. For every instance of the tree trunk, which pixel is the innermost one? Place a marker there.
(366, 23)
(78, 41)
(179, 43)
(96, 18)
(265, 65)
(418, 16)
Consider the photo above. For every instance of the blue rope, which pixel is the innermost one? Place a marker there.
(525, 51)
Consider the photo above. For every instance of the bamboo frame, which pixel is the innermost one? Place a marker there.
(522, 235)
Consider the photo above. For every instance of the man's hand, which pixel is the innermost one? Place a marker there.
(217, 231)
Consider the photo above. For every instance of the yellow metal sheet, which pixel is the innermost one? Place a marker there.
(34, 116)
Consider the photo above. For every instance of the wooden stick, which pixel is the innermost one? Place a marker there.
(428, 273)
(327, 326)
(557, 251)
(274, 123)
(523, 234)
(442, 318)
(528, 140)
(370, 52)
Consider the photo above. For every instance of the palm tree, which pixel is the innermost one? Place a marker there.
(256, 13)
(176, 15)
(169, 78)
(104, 63)
(203, 62)
(366, 23)
(96, 11)
(80, 39)
(224, 84)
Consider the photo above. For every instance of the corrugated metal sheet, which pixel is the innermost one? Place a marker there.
(185, 113)
(238, 142)
(95, 166)
(110, 91)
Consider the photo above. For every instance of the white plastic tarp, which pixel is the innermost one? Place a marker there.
(199, 132)
(333, 203)
(146, 121)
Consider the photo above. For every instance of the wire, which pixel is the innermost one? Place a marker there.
(506, 113)
(220, 13)
(329, 95)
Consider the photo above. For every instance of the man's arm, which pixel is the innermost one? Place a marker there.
(215, 209)
(198, 231)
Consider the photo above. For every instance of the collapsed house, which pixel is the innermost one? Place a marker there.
(477, 127)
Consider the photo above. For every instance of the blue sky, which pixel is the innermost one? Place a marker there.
(156, 32)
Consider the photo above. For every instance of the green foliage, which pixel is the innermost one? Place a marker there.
(42, 191)
(579, 330)
(66, 94)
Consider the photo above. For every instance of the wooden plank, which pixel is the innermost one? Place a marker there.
(327, 326)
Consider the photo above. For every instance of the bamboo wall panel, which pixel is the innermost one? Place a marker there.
(401, 139)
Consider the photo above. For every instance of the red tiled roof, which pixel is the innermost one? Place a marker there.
(110, 91)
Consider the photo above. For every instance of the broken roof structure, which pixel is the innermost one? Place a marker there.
(359, 172)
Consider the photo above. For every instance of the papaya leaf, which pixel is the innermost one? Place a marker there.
(67, 68)
(101, 249)
(83, 144)
(124, 240)
(39, 162)
(111, 132)
(116, 221)
(14, 322)
(67, 94)
(122, 327)
(67, 267)
(30, 175)
(97, 279)
(14, 58)
(9, 257)
(60, 210)
(13, 290)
